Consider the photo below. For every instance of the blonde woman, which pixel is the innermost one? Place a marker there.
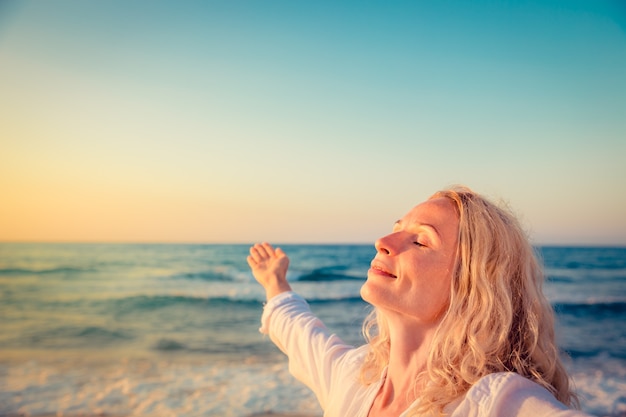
(460, 325)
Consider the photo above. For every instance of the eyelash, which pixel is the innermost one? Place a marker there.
(419, 244)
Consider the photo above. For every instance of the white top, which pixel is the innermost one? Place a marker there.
(331, 369)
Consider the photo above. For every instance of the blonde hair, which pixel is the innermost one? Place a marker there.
(497, 320)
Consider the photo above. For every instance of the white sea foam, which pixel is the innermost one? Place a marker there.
(150, 387)
(175, 386)
(601, 385)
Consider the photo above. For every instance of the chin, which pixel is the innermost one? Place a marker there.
(368, 294)
(364, 292)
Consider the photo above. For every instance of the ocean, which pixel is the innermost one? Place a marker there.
(172, 330)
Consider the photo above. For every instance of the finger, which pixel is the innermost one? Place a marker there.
(268, 249)
(263, 250)
(251, 261)
(257, 253)
(253, 248)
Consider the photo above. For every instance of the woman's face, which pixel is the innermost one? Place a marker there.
(410, 275)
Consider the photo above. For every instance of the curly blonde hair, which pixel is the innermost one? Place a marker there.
(498, 319)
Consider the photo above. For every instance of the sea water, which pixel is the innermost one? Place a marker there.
(172, 330)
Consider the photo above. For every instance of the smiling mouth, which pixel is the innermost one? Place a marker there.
(380, 271)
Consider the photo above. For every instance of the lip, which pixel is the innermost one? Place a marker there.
(380, 269)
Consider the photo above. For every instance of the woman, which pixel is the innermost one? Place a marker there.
(460, 325)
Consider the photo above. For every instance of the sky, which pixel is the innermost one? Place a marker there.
(307, 122)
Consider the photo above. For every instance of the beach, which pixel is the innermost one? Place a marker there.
(146, 386)
(172, 330)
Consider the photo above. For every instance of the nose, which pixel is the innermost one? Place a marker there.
(385, 245)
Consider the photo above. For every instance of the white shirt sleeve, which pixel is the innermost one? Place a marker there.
(330, 368)
(316, 356)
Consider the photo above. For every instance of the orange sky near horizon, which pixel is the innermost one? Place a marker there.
(307, 123)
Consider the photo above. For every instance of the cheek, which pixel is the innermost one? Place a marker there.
(442, 296)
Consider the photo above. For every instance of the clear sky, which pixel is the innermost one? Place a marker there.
(307, 121)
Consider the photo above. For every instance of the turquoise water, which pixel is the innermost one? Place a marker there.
(190, 313)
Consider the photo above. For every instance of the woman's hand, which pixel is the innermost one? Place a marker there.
(269, 267)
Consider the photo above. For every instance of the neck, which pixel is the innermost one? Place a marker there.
(409, 350)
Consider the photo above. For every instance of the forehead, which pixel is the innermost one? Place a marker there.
(439, 213)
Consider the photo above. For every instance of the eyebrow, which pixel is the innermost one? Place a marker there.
(429, 226)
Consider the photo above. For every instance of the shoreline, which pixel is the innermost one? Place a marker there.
(281, 415)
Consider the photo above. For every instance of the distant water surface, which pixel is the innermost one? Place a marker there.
(160, 329)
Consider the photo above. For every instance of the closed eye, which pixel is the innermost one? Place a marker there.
(419, 244)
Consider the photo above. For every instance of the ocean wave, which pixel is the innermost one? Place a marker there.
(603, 354)
(591, 258)
(210, 276)
(335, 299)
(169, 345)
(45, 271)
(150, 302)
(327, 274)
(592, 308)
(581, 275)
(215, 347)
(154, 302)
(559, 279)
(75, 337)
(96, 332)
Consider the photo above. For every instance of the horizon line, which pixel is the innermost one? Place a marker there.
(309, 243)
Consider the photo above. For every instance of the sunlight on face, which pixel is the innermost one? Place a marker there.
(411, 273)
